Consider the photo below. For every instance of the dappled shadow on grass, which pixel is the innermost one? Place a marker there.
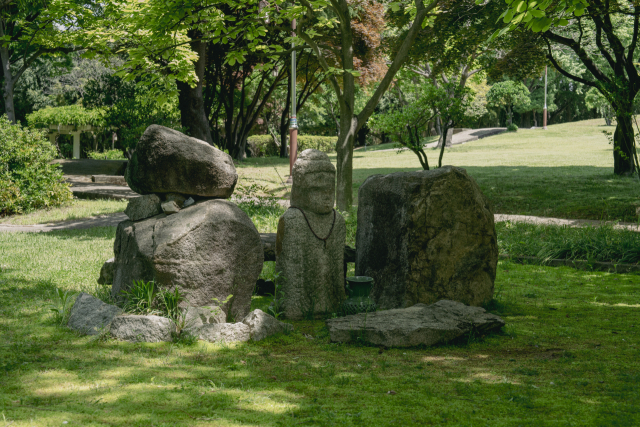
(528, 374)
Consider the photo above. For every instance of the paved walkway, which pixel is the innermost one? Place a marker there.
(458, 138)
(114, 219)
(84, 188)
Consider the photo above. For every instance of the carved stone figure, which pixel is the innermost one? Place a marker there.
(310, 241)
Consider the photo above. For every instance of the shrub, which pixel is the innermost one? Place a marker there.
(75, 115)
(326, 144)
(262, 146)
(27, 179)
(106, 155)
(512, 128)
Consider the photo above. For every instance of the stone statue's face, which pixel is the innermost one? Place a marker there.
(315, 192)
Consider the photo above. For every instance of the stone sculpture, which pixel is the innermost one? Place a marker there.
(426, 236)
(310, 241)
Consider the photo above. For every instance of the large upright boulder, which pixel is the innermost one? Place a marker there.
(209, 251)
(426, 236)
(167, 161)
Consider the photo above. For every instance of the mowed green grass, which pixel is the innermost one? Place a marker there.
(569, 355)
(75, 209)
(565, 171)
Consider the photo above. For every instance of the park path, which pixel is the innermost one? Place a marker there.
(113, 220)
(457, 139)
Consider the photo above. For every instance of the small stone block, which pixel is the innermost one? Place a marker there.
(170, 207)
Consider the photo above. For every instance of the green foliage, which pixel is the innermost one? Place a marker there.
(106, 155)
(73, 115)
(409, 122)
(140, 298)
(508, 94)
(130, 107)
(27, 179)
(276, 309)
(61, 306)
(262, 146)
(170, 303)
(594, 99)
(512, 127)
(326, 144)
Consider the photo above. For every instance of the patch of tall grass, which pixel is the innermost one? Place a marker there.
(603, 244)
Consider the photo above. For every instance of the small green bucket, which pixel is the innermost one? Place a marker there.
(359, 290)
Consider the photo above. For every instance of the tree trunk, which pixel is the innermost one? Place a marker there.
(526, 119)
(344, 151)
(284, 125)
(191, 100)
(510, 115)
(623, 145)
(7, 94)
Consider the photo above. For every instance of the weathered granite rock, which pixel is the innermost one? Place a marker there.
(170, 207)
(426, 236)
(143, 207)
(106, 272)
(209, 250)
(179, 199)
(417, 325)
(142, 328)
(310, 241)
(224, 332)
(188, 202)
(167, 161)
(264, 325)
(196, 317)
(90, 315)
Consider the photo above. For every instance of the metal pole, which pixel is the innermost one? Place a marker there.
(293, 121)
(544, 113)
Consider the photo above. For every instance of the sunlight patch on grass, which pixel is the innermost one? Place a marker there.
(76, 209)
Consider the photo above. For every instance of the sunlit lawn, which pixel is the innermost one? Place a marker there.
(569, 355)
(76, 209)
(565, 171)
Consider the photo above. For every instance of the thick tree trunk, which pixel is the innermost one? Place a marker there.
(191, 100)
(7, 94)
(623, 146)
(509, 115)
(344, 151)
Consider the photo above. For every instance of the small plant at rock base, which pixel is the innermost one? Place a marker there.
(276, 309)
(140, 297)
(170, 302)
(61, 306)
(512, 128)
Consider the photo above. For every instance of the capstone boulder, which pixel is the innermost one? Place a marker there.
(426, 236)
(168, 161)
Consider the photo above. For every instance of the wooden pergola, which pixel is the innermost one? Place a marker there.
(55, 130)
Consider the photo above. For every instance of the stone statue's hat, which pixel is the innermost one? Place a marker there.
(312, 161)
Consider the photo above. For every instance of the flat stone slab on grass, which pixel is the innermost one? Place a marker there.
(224, 332)
(90, 315)
(142, 328)
(420, 324)
(263, 325)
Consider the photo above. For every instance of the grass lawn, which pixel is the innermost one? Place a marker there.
(565, 171)
(76, 209)
(569, 355)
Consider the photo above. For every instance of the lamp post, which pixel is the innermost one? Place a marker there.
(544, 112)
(293, 121)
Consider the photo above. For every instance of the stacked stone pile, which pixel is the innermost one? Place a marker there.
(181, 233)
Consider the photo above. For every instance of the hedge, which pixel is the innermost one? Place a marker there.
(263, 145)
(27, 179)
